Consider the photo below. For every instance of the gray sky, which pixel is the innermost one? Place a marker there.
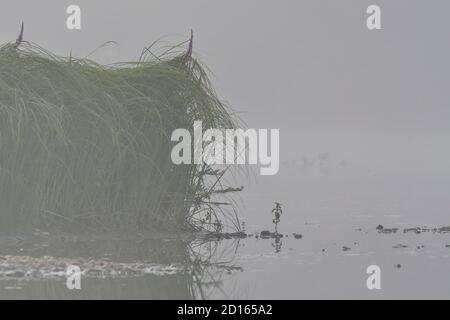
(302, 65)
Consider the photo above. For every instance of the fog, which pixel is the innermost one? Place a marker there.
(363, 115)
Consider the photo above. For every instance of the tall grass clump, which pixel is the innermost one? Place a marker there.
(87, 147)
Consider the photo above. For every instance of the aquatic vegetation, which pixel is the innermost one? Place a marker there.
(277, 244)
(87, 147)
(277, 211)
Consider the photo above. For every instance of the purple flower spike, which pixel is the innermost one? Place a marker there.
(20, 37)
(191, 43)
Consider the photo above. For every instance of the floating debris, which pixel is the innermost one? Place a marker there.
(381, 229)
(400, 246)
(265, 234)
(443, 230)
(297, 235)
(345, 248)
(398, 265)
(216, 236)
(417, 230)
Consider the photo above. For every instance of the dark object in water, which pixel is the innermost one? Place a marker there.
(239, 235)
(379, 227)
(419, 230)
(387, 231)
(345, 248)
(400, 246)
(297, 235)
(226, 235)
(414, 230)
(398, 265)
(444, 230)
(265, 234)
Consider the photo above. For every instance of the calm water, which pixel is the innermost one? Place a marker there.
(335, 190)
